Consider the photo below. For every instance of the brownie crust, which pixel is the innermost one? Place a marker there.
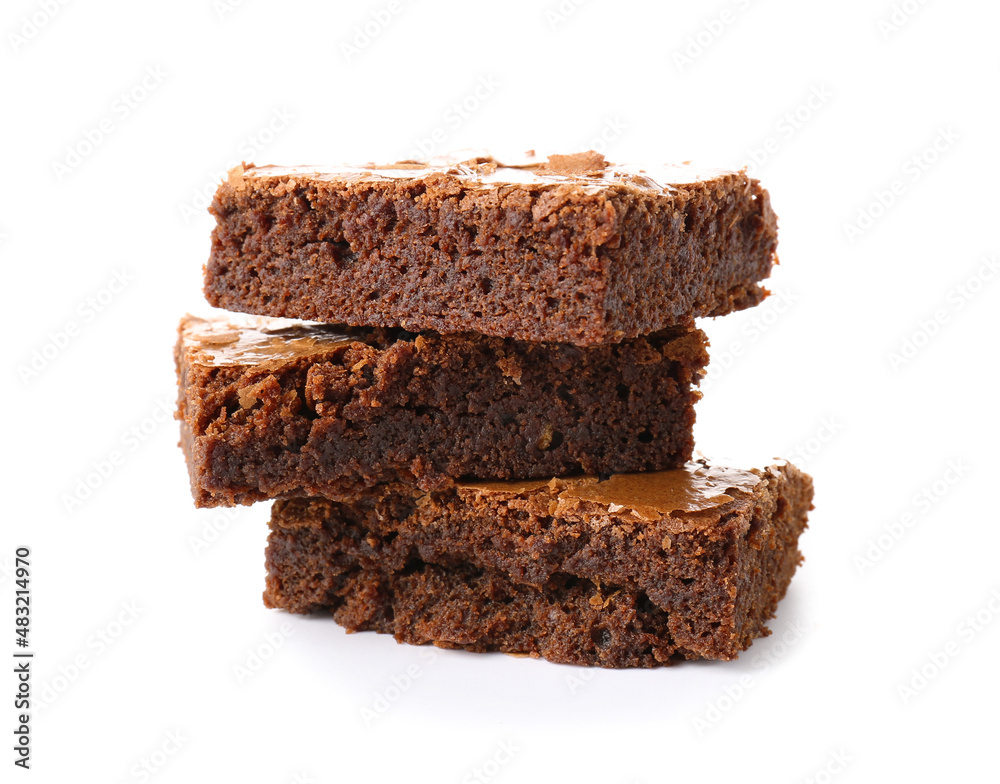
(571, 249)
(570, 570)
(270, 411)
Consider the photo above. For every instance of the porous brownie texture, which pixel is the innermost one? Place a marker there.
(571, 249)
(269, 410)
(566, 570)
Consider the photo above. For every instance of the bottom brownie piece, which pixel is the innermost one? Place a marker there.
(635, 570)
(569, 620)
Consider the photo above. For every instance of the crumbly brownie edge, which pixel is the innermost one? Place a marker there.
(411, 412)
(477, 610)
(720, 251)
(716, 588)
(771, 550)
(549, 264)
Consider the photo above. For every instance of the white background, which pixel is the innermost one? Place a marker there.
(853, 101)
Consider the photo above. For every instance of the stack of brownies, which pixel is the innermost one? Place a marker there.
(482, 436)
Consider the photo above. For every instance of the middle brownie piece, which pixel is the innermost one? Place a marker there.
(277, 409)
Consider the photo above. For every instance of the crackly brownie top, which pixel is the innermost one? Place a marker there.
(224, 343)
(475, 170)
(651, 495)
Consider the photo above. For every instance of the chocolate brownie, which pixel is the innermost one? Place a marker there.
(569, 249)
(634, 570)
(276, 409)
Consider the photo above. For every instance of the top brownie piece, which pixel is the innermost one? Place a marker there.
(572, 249)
